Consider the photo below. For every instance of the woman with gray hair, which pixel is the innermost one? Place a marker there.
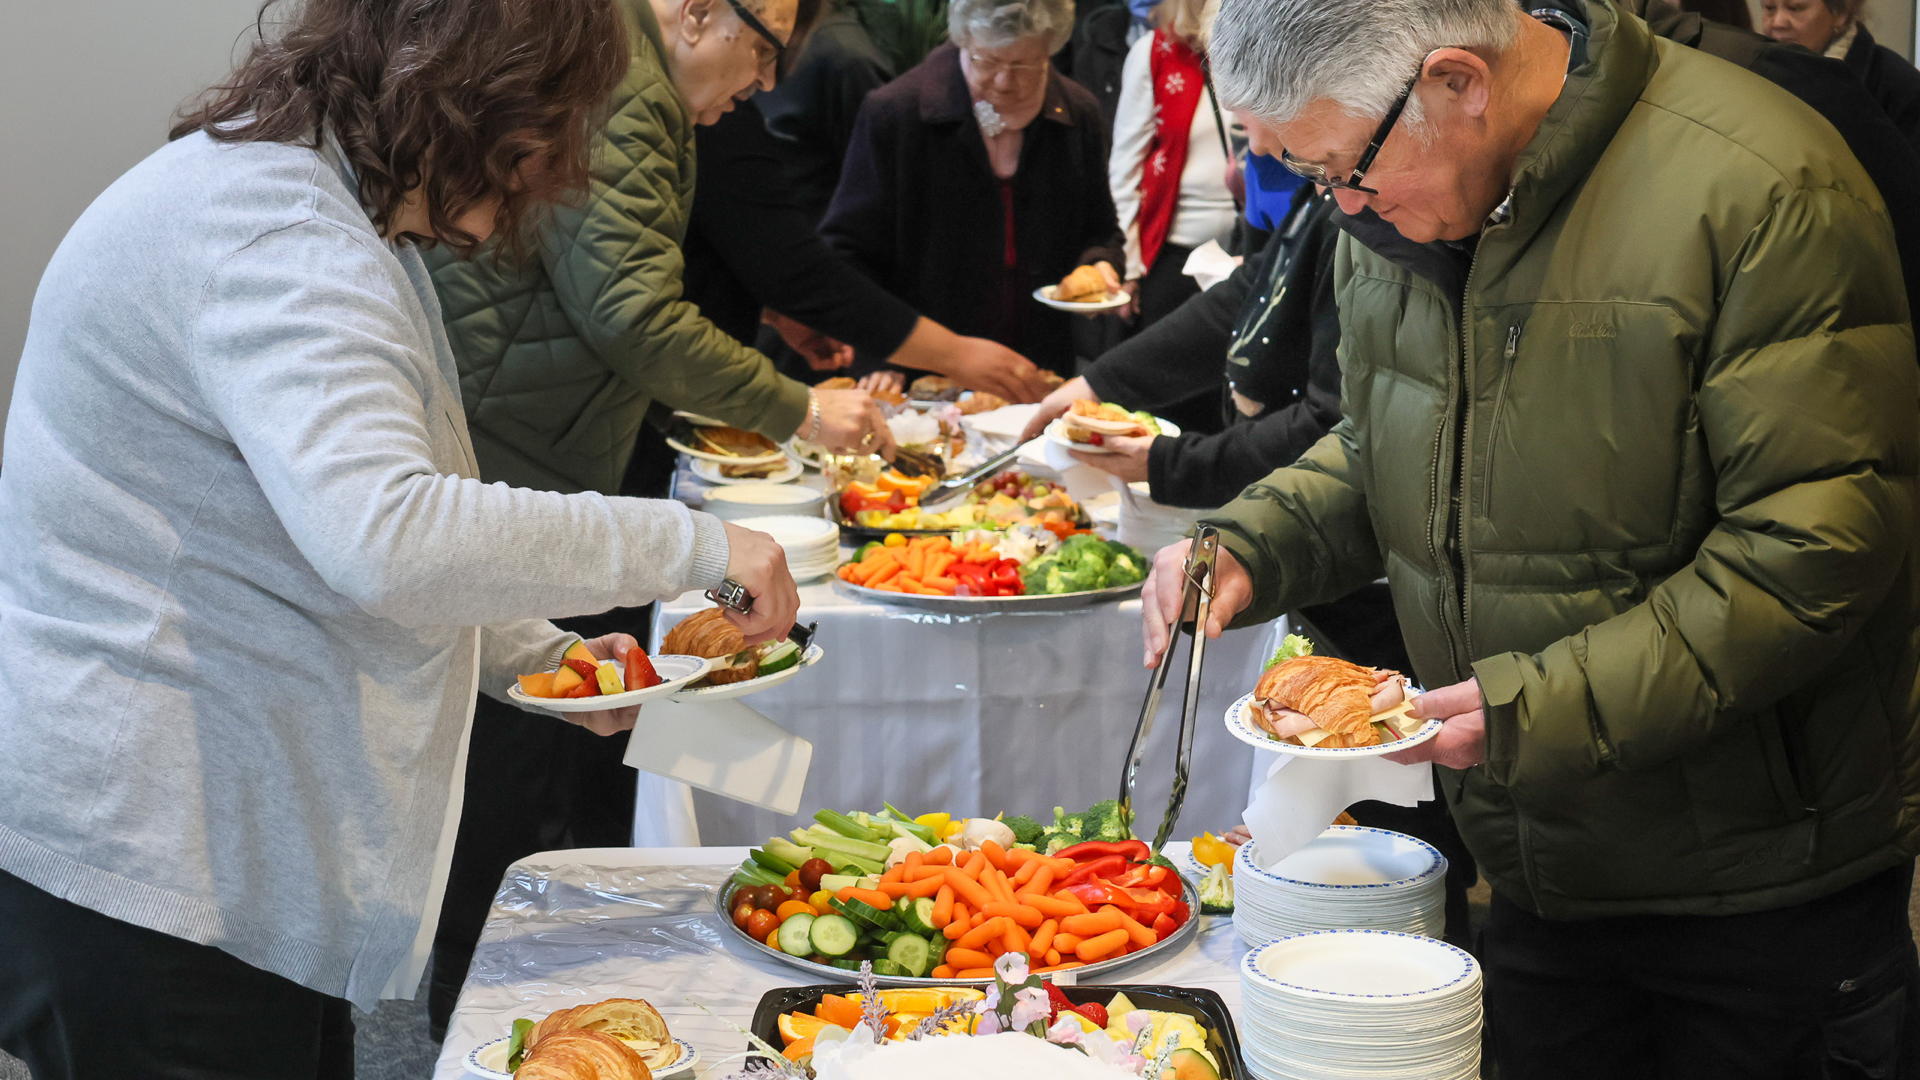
(979, 176)
(1833, 28)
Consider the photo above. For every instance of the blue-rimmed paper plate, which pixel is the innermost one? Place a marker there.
(1360, 965)
(490, 1059)
(1240, 725)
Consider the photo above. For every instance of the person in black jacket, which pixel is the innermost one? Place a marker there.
(1833, 28)
(751, 247)
(812, 109)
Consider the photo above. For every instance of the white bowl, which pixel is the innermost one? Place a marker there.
(737, 501)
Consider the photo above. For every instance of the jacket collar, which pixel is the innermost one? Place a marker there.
(640, 17)
(944, 98)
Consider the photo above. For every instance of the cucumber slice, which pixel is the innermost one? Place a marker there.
(893, 970)
(844, 964)
(796, 935)
(866, 914)
(918, 916)
(910, 951)
(936, 950)
(780, 658)
(832, 935)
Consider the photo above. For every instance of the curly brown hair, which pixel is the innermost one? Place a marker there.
(446, 97)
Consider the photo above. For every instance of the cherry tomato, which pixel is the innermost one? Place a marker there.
(812, 871)
(793, 881)
(761, 923)
(791, 908)
(757, 896)
(742, 911)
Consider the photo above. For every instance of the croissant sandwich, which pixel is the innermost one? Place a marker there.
(1328, 702)
(733, 442)
(1093, 422)
(1086, 285)
(634, 1024)
(578, 1054)
(709, 634)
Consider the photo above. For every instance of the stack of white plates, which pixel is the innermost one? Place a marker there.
(812, 544)
(1352, 1004)
(761, 499)
(1349, 877)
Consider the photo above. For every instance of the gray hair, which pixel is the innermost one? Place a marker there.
(996, 24)
(1272, 57)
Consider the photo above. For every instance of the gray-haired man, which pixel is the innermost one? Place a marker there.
(1629, 400)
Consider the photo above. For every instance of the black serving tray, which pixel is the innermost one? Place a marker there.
(1204, 1006)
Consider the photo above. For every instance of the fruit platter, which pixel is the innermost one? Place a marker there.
(888, 500)
(1024, 568)
(938, 899)
(1169, 1032)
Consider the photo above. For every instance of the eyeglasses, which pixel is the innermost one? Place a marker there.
(754, 24)
(1318, 173)
(988, 68)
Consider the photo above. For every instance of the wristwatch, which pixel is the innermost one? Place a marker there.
(732, 595)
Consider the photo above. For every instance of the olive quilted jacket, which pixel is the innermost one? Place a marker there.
(1647, 467)
(560, 358)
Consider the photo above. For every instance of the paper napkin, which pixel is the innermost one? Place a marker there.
(725, 747)
(1301, 796)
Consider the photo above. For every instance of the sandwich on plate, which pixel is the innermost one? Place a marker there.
(733, 442)
(709, 634)
(1323, 701)
(1093, 423)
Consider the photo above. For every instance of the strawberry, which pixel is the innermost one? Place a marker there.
(1059, 1001)
(1093, 1011)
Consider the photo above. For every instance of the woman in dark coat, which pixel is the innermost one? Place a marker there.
(1833, 28)
(979, 176)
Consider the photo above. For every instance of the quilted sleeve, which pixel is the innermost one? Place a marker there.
(617, 271)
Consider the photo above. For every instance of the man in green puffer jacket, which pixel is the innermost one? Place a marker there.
(1630, 426)
(560, 358)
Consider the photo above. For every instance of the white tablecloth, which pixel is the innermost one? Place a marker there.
(570, 927)
(975, 715)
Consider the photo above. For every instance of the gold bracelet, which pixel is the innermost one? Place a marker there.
(813, 417)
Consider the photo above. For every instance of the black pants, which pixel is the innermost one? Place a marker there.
(1818, 991)
(1165, 285)
(84, 997)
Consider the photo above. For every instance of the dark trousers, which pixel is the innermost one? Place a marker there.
(1165, 285)
(85, 997)
(1817, 991)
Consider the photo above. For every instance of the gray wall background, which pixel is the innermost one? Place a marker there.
(87, 88)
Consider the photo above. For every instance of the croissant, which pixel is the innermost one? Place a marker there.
(709, 634)
(631, 1021)
(1086, 283)
(581, 1055)
(1335, 694)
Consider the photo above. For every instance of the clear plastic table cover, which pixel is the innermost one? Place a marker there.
(568, 928)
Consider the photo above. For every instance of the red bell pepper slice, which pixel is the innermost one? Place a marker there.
(1163, 926)
(1134, 850)
(1097, 869)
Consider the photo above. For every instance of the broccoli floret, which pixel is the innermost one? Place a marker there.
(1034, 575)
(1105, 822)
(1216, 892)
(1126, 567)
(1066, 830)
(1084, 550)
(1025, 829)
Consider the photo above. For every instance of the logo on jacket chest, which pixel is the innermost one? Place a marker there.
(1591, 329)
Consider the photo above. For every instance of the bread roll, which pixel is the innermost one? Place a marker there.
(1085, 285)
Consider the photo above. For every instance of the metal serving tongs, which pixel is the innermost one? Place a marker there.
(949, 489)
(734, 596)
(1196, 601)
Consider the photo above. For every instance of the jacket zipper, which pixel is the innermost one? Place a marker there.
(1499, 409)
(1463, 443)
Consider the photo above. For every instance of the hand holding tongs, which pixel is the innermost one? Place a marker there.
(1196, 601)
(734, 596)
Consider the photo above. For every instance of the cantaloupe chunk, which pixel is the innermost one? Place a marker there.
(564, 681)
(540, 685)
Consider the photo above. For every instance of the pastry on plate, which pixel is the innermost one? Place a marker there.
(636, 1024)
(733, 442)
(981, 401)
(933, 388)
(838, 382)
(579, 1054)
(1086, 285)
(709, 634)
(1327, 702)
(1092, 422)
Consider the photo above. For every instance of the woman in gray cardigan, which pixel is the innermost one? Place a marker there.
(250, 579)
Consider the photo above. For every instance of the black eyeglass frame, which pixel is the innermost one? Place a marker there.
(754, 24)
(1320, 176)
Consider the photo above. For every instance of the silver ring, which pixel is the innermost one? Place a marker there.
(867, 439)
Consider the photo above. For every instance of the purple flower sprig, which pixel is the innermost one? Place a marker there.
(873, 1011)
(937, 1020)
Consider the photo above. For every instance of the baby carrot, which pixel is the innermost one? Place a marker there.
(968, 889)
(975, 863)
(943, 904)
(1042, 879)
(1016, 938)
(1043, 937)
(960, 924)
(874, 897)
(942, 971)
(980, 935)
(966, 958)
(1058, 967)
(1052, 906)
(1101, 947)
(1141, 936)
(926, 872)
(940, 856)
(1028, 917)
(974, 973)
(1065, 941)
(1024, 874)
(913, 862)
(996, 855)
(1107, 918)
(1053, 958)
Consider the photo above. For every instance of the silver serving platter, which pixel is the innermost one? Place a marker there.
(987, 605)
(827, 971)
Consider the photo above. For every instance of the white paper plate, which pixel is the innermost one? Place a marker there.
(709, 472)
(489, 1059)
(702, 455)
(752, 686)
(805, 453)
(1360, 964)
(738, 501)
(1114, 300)
(674, 669)
(697, 420)
(800, 536)
(1346, 858)
(1057, 433)
(1240, 725)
